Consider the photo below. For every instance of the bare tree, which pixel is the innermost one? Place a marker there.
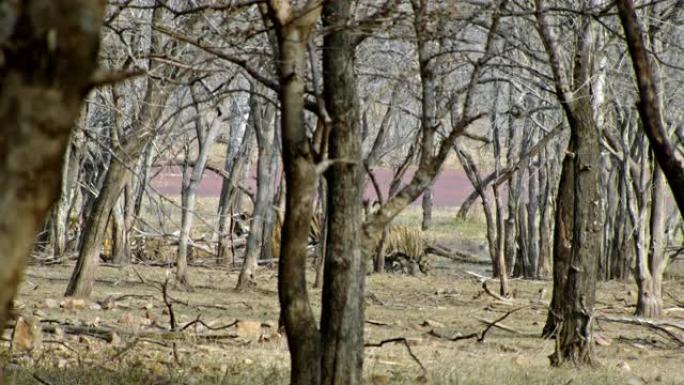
(578, 220)
(649, 104)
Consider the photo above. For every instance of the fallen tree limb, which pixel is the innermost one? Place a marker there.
(481, 337)
(454, 255)
(109, 334)
(499, 326)
(658, 326)
(401, 340)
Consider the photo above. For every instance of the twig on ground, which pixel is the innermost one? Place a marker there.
(402, 340)
(140, 277)
(481, 337)
(377, 323)
(200, 322)
(40, 380)
(503, 317)
(499, 326)
(169, 305)
(126, 348)
(454, 338)
(493, 294)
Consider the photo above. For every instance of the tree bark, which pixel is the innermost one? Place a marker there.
(649, 103)
(293, 27)
(575, 299)
(118, 174)
(265, 130)
(342, 315)
(42, 84)
(206, 136)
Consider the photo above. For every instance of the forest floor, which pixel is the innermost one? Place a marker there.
(122, 335)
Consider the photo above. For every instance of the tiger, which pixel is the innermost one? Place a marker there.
(404, 251)
(314, 237)
(404, 247)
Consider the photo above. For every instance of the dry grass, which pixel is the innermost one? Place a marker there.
(398, 306)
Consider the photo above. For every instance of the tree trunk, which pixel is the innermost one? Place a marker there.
(487, 205)
(83, 276)
(649, 103)
(41, 90)
(236, 161)
(292, 29)
(156, 94)
(342, 314)
(575, 299)
(206, 136)
(70, 171)
(320, 263)
(532, 222)
(264, 130)
(120, 250)
(427, 209)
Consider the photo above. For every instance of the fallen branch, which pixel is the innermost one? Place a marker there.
(493, 294)
(169, 305)
(499, 326)
(454, 338)
(493, 324)
(200, 322)
(377, 323)
(402, 340)
(659, 326)
(454, 255)
(481, 337)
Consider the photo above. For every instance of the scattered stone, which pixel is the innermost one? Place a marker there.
(27, 335)
(432, 324)
(73, 304)
(380, 379)
(107, 303)
(248, 329)
(51, 303)
(521, 360)
(602, 340)
(624, 366)
(129, 319)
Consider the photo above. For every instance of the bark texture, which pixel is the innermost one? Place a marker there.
(342, 316)
(649, 104)
(293, 27)
(45, 68)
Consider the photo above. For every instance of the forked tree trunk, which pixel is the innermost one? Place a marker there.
(487, 205)
(42, 84)
(83, 276)
(206, 136)
(68, 190)
(264, 128)
(117, 175)
(236, 163)
(649, 271)
(649, 103)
